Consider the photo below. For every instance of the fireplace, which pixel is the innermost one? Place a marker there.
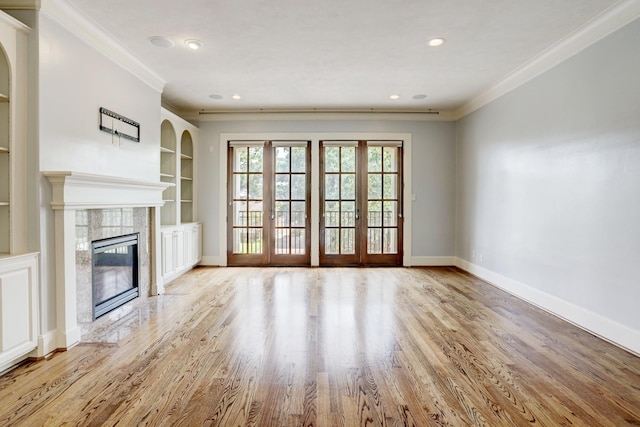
(114, 272)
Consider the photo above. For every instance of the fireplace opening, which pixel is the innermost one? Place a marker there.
(115, 272)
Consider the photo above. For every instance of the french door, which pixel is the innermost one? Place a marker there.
(269, 201)
(361, 205)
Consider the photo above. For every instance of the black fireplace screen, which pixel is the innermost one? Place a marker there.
(115, 272)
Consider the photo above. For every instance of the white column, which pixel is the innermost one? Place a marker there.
(67, 319)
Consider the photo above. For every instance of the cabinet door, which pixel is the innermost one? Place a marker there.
(190, 245)
(197, 243)
(179, 248)
(168, 264)
(18, 308)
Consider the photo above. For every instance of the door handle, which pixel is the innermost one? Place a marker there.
(358, 213)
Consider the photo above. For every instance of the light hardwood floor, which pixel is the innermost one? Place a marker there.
(329, 347)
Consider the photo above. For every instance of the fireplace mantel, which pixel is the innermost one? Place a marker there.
(72, 191)
(76, 190)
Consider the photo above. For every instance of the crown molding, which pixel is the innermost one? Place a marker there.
(20, 4)
(267, 115)
(82, 26)
(607, 22)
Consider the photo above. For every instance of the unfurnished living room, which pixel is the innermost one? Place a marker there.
(338, 213)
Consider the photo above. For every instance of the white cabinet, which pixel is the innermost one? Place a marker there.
(18, 308)
(180, 249)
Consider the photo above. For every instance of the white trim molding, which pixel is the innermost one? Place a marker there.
(315, 138)
(612, 19)
(81, 25)
(75, 190)
(594, 323)
(433, 261)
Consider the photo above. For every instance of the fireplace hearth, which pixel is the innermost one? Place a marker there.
(114, 273)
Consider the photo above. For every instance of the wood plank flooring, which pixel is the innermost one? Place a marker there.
(329, 347)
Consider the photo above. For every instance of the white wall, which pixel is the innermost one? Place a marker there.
(433, 177)
(74, 81)
(548, 192)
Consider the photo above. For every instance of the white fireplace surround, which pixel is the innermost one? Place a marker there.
(75, 190)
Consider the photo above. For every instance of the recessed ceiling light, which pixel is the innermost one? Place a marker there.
(194, 44)
(215, 96)
(160, 41)
(436, 41)
(236, 97)
(394, 97)
(420, 96)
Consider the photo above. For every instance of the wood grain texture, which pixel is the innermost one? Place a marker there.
(328, 347)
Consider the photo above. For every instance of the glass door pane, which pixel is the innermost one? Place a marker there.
(290, 216)
(383, 204)
(247, 187)
(339, 243)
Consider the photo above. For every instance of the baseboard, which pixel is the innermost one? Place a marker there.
(603, 327)
(432, 261)
(213, 261)
(47, 343)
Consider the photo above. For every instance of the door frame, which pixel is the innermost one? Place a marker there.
(221, 258)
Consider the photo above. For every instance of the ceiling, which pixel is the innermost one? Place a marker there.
(336, 54)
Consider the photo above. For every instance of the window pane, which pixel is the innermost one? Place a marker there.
(375, 186)
(298, 187)
(347, 241)
(374, 213)
(348, 186)
(390, 242)
(348, 214)
(390, 157)
(298, 159)
(282, 187)
(375, 159)
(282, 214)
(374, 241)
(240, 213)
(332, 159)
(282, 159)
(331, 214)
(298, 246)
(241, 162)
(255, 159)
(255, 186)
(298, 214)
(282, 241)
(331, 241)
(240, 189)
(331, 187)
(255, 214)
(348, 159)
(390, 186)
(255, 241)
(390, 214)
(240, 241)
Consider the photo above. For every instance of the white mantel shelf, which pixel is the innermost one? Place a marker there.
(77, 190)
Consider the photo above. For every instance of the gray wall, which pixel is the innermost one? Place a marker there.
(433, 175)
(548, 182)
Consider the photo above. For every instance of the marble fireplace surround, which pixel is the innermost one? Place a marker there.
(73, 191)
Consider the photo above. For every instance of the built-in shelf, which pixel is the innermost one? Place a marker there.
(185, 156)
(4, 203)
(186, 201)
(168, 201)
(4, 98)
(167, 150)
(186, 178)
(4, 150)
(166, 175)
